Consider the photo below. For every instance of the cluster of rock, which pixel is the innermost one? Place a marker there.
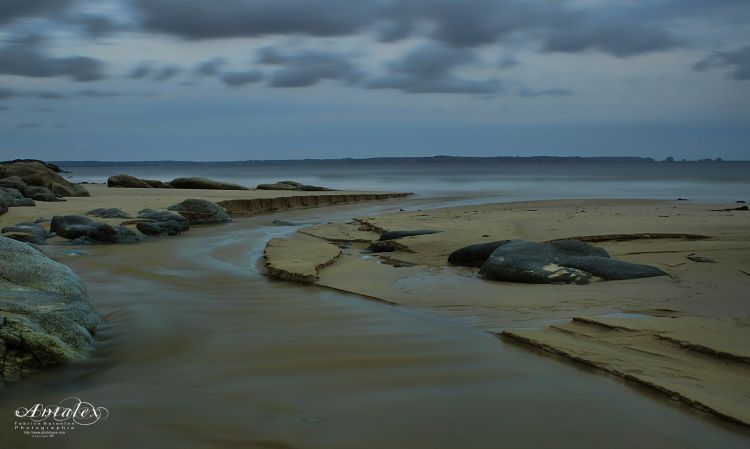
(561, 261)
(177, 183)
(45, 316)
(24, 181)
(292, 185)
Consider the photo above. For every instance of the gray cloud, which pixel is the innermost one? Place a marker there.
(95, 93)
(25, 57)
(239, 79)
(29, 125)
(428, 69)
(167, 73)
(148, 69)
(305, 68)
(212, 67)
(142, 70)
(737, 61)
(199, 19)
(13, 9)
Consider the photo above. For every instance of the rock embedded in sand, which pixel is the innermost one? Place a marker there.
(395, 235)
(111, 212)
(26, 232)
(45, 316)
(204, 183)
(201, 211)
(134, 183)
(85, 230)
(474, 255)
(562, 261)
(161, 222)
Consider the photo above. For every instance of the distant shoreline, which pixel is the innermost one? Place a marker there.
(407, 160)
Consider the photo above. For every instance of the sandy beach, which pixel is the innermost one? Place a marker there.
(683, 334)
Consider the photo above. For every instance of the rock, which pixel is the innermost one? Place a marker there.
(3, 206)
(277, 186)
(15, 182)
(394, 235)
(14, 198)
(38, 173)
(164, 215)
(201, 211)
(700, 259)
(133, 182)
(474, 255)
(45, 316)
(309, 188)
(112, 212)
(156, 228)
(204, 183)
(75, 226)
(563, 261)
(291, 183)
(26, 232)
(40, 193)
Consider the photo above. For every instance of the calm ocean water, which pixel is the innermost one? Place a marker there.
(497, 181)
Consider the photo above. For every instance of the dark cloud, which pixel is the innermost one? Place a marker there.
(95, 93)
(96, 25)
(212, 67)
(428, 69)
(6, 93)
(737, 61)
(26, 57)
(612, 36)
(45, 95)
(200, 19)
(531, 93)
(13, 9)
(305, 68)
(239, 79)
(149, 70)
(142, 70)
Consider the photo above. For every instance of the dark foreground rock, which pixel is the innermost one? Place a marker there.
(45, 316)
(204, 183)
(26, 232)
(563, 261)
(395, 235)
(161, 222)
(201, 211)
(112, 212)
(292, 185)
(474, 255)
(85, 230)
(135, 183)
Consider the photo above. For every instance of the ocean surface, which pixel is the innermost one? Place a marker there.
(199, 349)
(473, 182)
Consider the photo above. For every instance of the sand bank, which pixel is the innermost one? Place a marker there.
(687, 360)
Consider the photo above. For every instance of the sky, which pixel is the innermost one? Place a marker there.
(290, 79)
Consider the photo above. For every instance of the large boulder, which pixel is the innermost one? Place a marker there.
(204, 183)
(38, 173)
(277, 186)
(41, 193)
(14, 198)
(26, 232)
(85, 230)
(474, 255)
(45, 316)
(565, 261)
(201, 211)
(157, 223)
(133, 182)
(15, 182)
(292, 185)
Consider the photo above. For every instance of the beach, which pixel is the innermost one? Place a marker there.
(196, 322)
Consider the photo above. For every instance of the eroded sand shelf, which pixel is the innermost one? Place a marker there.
(243, 206)
(699, 361)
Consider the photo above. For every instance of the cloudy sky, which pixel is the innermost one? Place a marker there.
(271, 79)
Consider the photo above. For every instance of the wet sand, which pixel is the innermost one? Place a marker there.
(201, 349)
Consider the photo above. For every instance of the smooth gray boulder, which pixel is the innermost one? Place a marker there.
(565, 261)
(133, 182)
(201, 211)
(111, 212)
(164, 222)
(14, 198)
(45, 316)
(474, 255)
(75, 227)
(41, 193)
(26, 232)
(395, 235)
(277, 186)
(292, 185)
(15, 182)
(204, 183)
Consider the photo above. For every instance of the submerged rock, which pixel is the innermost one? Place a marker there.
(45, 316)
(201, 211)
(563, 261)
(75, 227)
(204, 183)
